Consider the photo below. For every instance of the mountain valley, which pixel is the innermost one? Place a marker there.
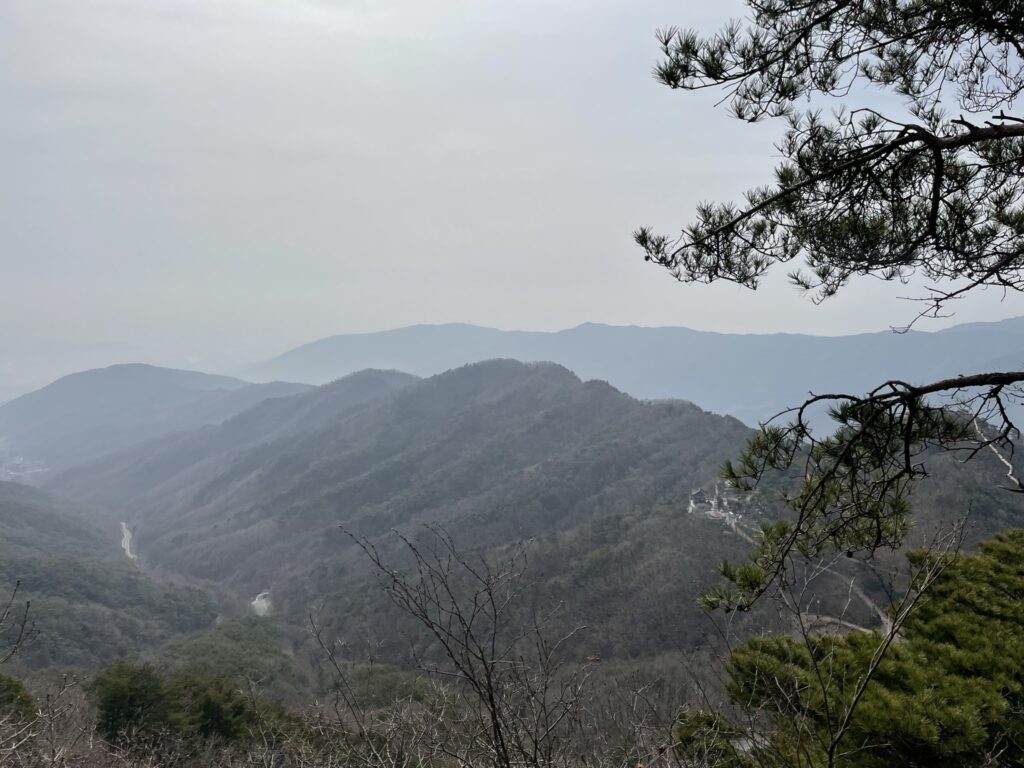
(262, 509)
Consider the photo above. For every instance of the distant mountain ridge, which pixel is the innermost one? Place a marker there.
(499, 451)
(83, 415)
(752, 377)
(749, 376)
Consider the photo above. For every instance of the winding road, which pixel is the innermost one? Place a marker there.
(126, 542)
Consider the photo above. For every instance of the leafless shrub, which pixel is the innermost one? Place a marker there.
(504, 693)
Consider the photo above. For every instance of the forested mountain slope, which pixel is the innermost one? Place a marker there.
(109, 481)
(89, 602)
(750, 376)
(87, 414)
(498, 452)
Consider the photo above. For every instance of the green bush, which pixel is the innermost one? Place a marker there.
(15, 700)
(136, 699)
(130, 698)
(209, 706)
(949, 691)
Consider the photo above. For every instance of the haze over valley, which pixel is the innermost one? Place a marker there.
(527, 384)
(89, 413)
(241, 500)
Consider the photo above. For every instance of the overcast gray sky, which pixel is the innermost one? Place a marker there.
(209, 182)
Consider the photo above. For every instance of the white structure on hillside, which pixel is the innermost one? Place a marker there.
(723, 504)
(261, 604)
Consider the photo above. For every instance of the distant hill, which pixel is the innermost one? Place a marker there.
(145, 468)
(497, 452)
(90, 603)
(87, 414)
(751, 377)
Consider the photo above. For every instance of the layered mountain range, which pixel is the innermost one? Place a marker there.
(496, 452)
(256, 491)
(749, 376)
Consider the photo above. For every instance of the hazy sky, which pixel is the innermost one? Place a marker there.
(209, 182)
